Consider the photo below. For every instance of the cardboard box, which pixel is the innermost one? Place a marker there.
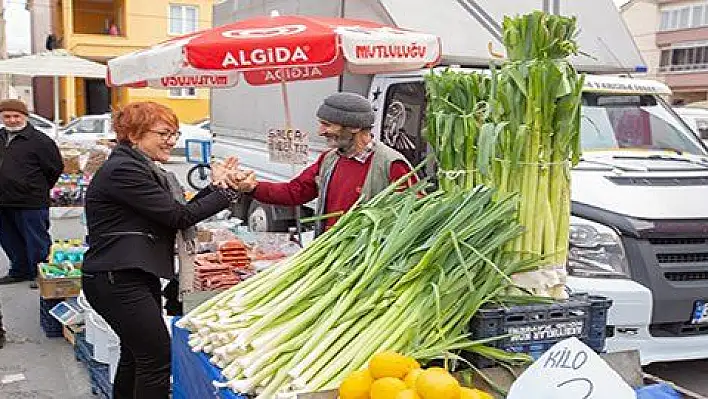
(58, 288)
(204, 235)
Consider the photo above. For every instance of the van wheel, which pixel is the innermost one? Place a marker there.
(260, 219)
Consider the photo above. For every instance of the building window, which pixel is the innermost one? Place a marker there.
(684, 59)
(183, 92)
(665, 16)
(684, 17)
(697, 17)
(665, 59)
(673, 22)
(183, 19)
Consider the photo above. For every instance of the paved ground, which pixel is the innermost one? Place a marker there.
(50, 370)
(48, 365)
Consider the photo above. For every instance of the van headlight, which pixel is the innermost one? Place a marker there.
(595, 250)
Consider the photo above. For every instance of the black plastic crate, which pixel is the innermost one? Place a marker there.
(51, 326)
(101, 381)
(99, 372)
(533, 329)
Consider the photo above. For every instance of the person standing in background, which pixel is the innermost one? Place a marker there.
(354, 166)
(30, 165)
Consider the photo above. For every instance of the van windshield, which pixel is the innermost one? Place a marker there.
(633, 121)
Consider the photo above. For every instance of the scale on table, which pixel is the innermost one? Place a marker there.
(68, 312)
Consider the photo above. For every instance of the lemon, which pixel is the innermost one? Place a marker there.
(412, 377)
(407, 394)
(467, 393)
(389, 364)
(387, 388)
(437, 369)
(356, 386)
(436, 383)
(414, 363)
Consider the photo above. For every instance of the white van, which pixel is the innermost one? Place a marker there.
(639, 229)
(639, 232)
(697, 119)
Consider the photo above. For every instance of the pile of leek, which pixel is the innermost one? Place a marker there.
(516, 129)
(401, 272)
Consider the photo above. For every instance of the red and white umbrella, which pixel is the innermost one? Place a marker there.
(275, 49)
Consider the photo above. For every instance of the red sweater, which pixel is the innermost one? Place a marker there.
(343, 190)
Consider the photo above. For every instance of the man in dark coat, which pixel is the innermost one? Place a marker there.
(30, 165)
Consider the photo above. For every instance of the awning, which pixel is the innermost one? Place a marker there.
(57, 63)
(54, 63)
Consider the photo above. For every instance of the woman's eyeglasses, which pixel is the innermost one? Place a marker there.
(166, 136)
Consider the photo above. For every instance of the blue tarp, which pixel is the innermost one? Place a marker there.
(192, 373)
(657, 391)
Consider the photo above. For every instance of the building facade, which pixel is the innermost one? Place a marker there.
(673, 38)
(103, 29)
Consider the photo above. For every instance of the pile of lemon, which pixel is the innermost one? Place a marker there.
(391, 375)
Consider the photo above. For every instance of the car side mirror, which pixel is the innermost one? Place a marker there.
(69, 131)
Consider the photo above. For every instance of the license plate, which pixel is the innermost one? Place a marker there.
(700, 313)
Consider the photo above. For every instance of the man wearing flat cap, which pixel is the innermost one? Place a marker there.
(30, 165)
(355, 165)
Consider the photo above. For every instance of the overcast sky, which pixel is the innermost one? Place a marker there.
(18, 25)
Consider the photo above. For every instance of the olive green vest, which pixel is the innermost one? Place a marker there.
(377, 179)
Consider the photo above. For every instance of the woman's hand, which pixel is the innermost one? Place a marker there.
(220, 171)
(244, 181)
(248, 183)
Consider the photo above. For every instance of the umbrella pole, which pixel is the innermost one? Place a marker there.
(56, 107)
(286, 104)
(289, 126)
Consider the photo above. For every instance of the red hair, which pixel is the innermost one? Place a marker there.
(135, 119)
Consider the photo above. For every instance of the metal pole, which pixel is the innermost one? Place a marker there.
(286, 103)
(56, 106)
(289, 128)
(4, 84)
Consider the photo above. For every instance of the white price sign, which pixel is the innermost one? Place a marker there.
(288, 146)
(570, 370)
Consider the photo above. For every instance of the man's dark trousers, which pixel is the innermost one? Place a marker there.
(24, 236)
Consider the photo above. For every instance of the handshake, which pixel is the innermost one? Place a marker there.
(227, 174)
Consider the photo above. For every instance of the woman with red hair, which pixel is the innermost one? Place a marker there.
(134, 210)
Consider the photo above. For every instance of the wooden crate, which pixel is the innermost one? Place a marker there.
(70, 333)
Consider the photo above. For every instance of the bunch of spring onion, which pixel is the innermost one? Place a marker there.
(401, 272)
(516, 129)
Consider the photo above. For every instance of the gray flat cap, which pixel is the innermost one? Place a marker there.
(347, 109)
